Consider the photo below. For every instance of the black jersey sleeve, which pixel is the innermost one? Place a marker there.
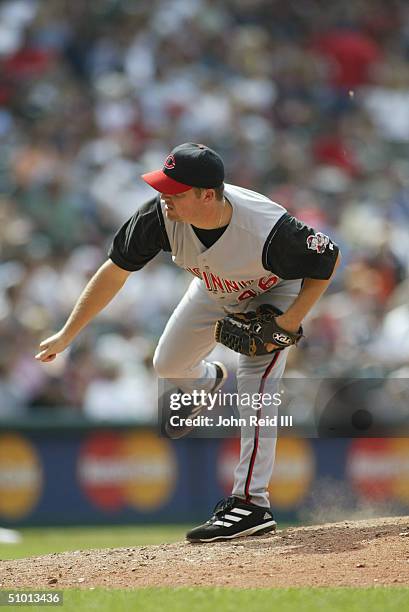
(140, 238)
(295, 250)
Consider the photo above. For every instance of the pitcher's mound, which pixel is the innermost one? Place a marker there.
(351, 553)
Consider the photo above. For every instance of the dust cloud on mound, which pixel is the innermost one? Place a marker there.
(349, 553)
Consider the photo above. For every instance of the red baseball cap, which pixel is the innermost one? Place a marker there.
(188, 165)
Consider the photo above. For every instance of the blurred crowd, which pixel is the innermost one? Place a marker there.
(307, 102)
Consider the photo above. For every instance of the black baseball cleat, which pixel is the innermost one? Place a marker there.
(234, 518)
(190, 412)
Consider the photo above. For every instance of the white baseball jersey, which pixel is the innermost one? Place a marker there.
(261, 246)
(232, 268)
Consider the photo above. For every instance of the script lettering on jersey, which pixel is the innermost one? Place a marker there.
(246, 288)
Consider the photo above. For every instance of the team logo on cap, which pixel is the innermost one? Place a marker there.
(170, 162)
(318, 242)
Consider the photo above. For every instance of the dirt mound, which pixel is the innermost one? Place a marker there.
(351, 553)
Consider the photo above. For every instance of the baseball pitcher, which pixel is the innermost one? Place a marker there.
(257, 271)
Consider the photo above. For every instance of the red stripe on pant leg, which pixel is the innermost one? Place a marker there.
(256, 431)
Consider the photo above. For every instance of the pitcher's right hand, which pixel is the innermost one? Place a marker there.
(50, 347)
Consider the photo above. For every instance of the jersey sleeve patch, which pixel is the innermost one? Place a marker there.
(140, 239)
(294, 250)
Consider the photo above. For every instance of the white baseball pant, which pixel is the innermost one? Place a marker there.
(186, 341)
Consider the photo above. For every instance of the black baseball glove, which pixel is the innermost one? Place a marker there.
(249, 332)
